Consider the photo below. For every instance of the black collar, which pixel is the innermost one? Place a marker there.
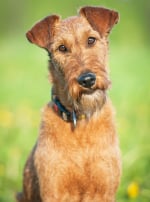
(65, 114)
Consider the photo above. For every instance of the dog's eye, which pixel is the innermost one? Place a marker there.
(91, 40)
(62, 48)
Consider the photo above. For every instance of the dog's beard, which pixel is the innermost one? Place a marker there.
(90, 102)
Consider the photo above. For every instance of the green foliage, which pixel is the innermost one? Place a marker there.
(24, 89)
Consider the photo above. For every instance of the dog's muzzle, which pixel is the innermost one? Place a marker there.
(87, 80)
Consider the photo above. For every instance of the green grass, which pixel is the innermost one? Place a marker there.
(24, 89)
(131, 96)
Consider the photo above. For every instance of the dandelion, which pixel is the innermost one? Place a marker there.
(6, 118)
(133, 190)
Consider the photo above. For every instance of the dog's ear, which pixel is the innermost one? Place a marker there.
(41, 33)
(101, 19)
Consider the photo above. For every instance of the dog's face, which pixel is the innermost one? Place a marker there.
(79, 54)
(78, 50)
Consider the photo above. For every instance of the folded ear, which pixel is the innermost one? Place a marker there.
(41, 33)
(101, 19)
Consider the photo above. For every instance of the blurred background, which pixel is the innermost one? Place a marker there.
(24, 89)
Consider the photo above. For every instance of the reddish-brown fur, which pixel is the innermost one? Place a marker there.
(81, 163)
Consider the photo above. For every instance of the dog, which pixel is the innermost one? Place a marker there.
(77, 156)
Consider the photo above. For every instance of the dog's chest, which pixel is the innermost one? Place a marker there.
(79, 166)
(84, 161)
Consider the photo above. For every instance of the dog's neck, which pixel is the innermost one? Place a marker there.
(82, 109)
(66, 115)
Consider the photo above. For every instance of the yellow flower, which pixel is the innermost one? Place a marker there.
(6, 118)
(133, 190)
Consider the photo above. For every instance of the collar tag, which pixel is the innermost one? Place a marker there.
(74, 118)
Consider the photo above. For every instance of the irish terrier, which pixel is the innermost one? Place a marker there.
(76, 157)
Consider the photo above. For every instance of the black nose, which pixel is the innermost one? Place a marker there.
(87, 80)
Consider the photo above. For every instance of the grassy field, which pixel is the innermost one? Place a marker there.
(24, 89)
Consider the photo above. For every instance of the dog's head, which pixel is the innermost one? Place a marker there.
(78, 49)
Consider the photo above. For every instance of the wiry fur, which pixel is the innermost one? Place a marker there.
(80, 164)
(69, 67)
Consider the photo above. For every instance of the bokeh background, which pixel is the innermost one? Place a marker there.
(24, 89)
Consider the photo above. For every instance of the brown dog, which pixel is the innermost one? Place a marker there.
(76, 158)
